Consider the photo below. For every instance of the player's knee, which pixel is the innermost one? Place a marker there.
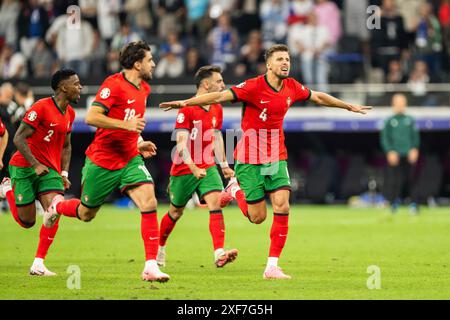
(87, 216)
(27, 224)
(149, 204)
(176, 214)
(281, 208)
(257, 219)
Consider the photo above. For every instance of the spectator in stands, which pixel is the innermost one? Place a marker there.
(170, 14)
(417, 83)
(32, 24)
(251, 61)
(409, 10)
(170, 65)
(428, 38)
(60, 6)
(52, 32)
(9, 12)
(193, 61)
(73, 47)
(274, 15)
(246, 16)
(125, 36)
(444, 19)
(42, 61)
(24, 98)
(138, 15)
(196, 24)
(329, 16)
(299, 11)
(172, 44)
(389, 41)
(355, 19)
(89, 11)
(223, 41)
(97, 60)
(108, 18)
(12, 64)
(312, 41)
(400, 141)
(219, 7)
(7, 111)
(395, 73)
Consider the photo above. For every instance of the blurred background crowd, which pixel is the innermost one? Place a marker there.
(330, 40)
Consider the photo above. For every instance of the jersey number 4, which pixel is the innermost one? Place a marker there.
(263, 115)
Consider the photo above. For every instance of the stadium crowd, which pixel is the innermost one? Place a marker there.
(411, 45)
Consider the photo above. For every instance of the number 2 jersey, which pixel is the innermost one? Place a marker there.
(263, 113)
(112, 149)
(51, 126)
(201, 124)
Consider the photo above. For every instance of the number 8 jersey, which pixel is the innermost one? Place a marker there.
(112, 149)
(51, 126)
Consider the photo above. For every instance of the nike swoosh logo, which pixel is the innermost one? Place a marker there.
(130, 101)
(151, 238)
(51, 239)
(282, 235)
(53, 124)
(222, 230)
(263, 102)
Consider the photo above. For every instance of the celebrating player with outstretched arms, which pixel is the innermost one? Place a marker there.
(261, 155)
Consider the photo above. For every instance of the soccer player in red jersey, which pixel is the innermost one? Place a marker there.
(199, 139)
(113, 159)
(39, 169)
(261, 156)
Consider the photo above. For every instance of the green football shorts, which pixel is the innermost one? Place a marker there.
(258, 179)
(28, 185)
(182, 187)
(97, 182)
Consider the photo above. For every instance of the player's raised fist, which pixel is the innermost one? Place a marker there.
(135, 123)
(66, 183)
(359, 109)
(40, 169)
(199, 173)
(228, 173)
(166, 106)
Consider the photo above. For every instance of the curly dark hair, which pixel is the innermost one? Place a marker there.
(205, 72)
(61, 75)
(133, 52)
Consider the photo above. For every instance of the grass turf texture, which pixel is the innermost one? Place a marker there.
(328, 251)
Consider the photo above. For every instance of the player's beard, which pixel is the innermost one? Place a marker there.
(147, 76)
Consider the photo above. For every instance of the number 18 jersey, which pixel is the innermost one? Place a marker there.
(51, 126)
(112, 149)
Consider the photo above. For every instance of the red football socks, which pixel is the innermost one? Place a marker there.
(13, 208)
(217, 228)
(241, 202)
(68, 208)
(278, 234)
(150, 234)
(167, 225)
(46, 237)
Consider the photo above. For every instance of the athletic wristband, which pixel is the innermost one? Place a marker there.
(64, 174)
(224, 165)
(140, 139)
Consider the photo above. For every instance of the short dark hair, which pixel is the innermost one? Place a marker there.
(133, 52)
(205, 72)
(61, 75)
(275, 48)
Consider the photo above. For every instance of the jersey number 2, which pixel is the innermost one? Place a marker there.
(49, 135)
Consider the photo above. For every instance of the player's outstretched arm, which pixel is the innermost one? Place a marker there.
(3, 144)
(96, 117)
(20, 141)
(326, 100)
(201, 100)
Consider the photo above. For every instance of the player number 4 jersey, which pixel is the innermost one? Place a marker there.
(51, 126)
(264, 109)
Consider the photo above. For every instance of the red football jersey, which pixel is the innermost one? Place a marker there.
(51, 127)
(113, 148)
(201, 124)
(262, 118)
(2, 128)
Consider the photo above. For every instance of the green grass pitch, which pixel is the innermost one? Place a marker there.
(328, 252)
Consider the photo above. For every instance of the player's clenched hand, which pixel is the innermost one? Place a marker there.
(166, 106)
(66, 183)
(199, 173)
(228, 173)
(135, 123)
(40, 169)
(358, 109)
(147, 149)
